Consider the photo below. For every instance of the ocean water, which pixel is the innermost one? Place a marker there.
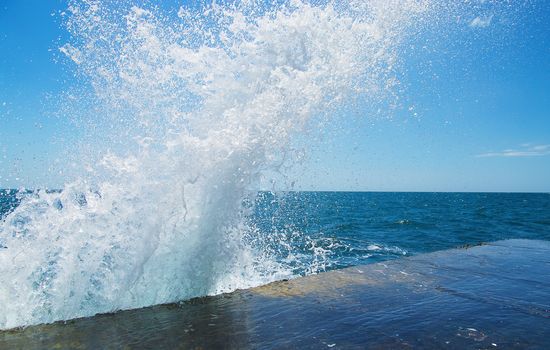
(182, 114)
(321, 231)
(353, 228)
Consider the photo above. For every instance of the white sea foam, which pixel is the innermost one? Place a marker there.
(189, 111)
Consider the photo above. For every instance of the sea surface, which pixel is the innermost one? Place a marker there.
(357, 228)
(322, 231)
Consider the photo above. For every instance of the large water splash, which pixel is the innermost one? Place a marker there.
(189, 110)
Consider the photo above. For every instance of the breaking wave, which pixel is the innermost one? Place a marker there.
(184, 113)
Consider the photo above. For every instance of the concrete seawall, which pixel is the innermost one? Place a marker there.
(491, 296)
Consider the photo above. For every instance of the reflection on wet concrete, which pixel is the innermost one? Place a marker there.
(492, 296)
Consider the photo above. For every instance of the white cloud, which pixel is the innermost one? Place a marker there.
(525, 150)
(481, 21)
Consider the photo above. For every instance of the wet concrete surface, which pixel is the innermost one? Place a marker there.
(492, 296)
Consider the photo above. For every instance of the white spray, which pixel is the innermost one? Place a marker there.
(191, 110)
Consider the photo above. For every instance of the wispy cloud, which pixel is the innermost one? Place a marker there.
(525, 150)
(481, 21)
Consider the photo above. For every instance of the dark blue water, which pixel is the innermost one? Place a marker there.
(316, 231)
(9, 199)
(363, 227)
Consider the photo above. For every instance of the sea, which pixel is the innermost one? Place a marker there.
(312, 232)
(355, 228)
(340, 229)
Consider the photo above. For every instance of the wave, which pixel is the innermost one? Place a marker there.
(183, 113)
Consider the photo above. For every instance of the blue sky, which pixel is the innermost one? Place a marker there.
(474, 111)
